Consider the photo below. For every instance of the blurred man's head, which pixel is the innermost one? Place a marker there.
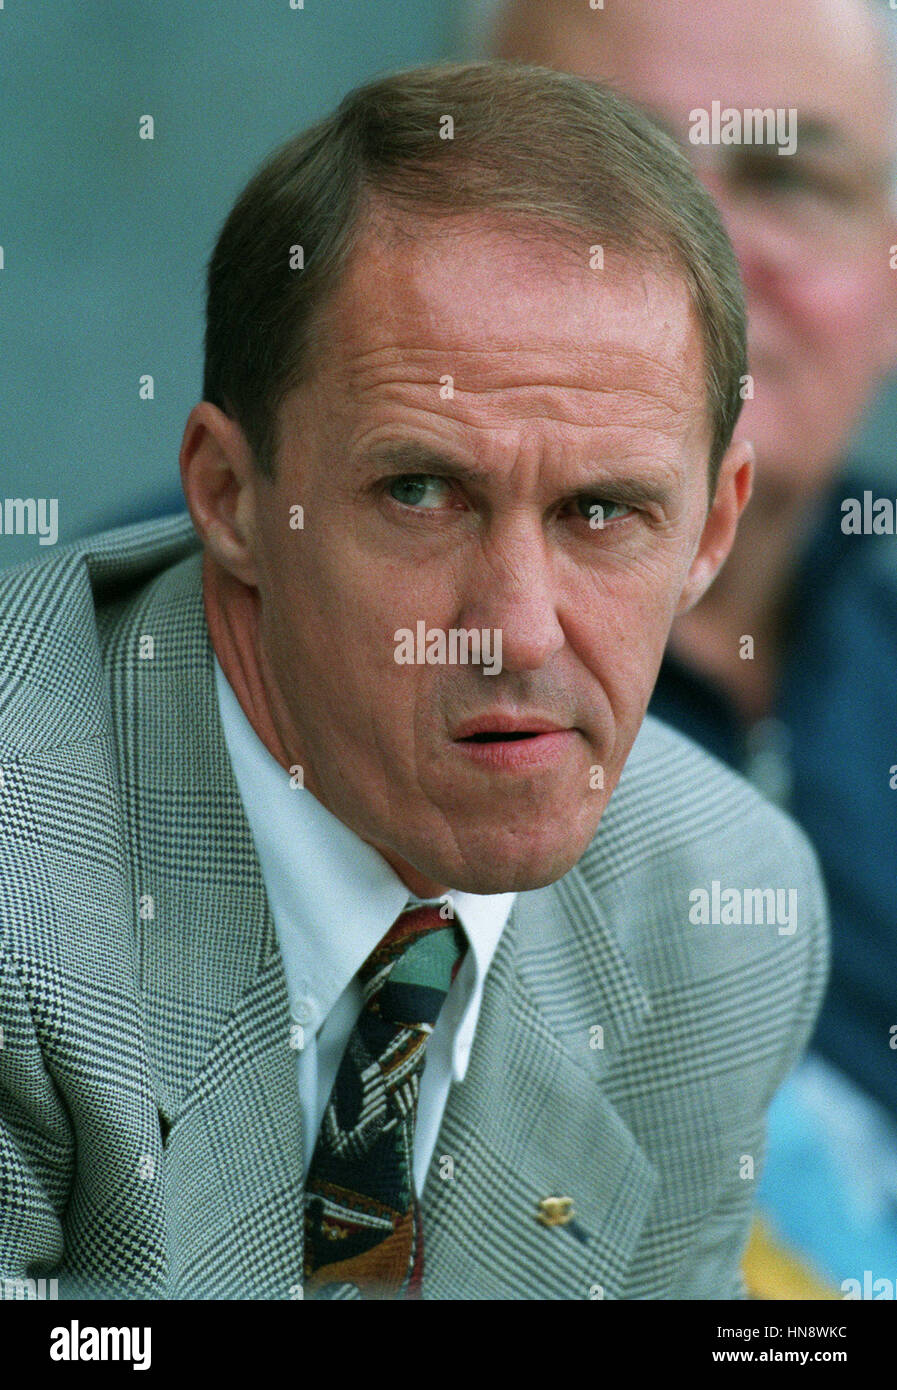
(515, 315)
(813, 229)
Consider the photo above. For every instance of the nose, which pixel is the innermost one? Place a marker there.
(512, 587)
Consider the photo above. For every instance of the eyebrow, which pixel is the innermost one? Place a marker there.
(410, 456)
(821, 139)
(822, 136)
(825, 137)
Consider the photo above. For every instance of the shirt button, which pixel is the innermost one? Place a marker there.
(303, 1011)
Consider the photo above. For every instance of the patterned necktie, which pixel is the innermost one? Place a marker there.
(363, 1236)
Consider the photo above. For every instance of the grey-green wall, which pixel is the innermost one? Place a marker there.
(105, 236)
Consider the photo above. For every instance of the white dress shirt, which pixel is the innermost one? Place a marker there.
(333, 898)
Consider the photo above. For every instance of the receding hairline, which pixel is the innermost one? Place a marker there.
(380, 219)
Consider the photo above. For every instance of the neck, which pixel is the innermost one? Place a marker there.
(749, 598)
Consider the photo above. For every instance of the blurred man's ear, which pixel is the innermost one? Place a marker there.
(220, 483)
(733, 490)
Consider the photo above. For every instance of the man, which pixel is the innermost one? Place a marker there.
(318, 980)
(787, 668)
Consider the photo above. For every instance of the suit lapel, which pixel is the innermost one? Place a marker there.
(211, 977)
(234, 1159)
(531, 1120)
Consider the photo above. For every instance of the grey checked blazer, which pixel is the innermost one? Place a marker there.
(150, 1138)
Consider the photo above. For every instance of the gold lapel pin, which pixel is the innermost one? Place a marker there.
(555, 1211)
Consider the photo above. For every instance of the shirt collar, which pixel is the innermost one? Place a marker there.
(332, 895)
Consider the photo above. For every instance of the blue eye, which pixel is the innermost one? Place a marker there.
(597, 511)
(414, 489)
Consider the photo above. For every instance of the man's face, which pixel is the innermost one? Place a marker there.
(478, 397)
(812, 230)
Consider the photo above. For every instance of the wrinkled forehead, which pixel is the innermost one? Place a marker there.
(474, 299)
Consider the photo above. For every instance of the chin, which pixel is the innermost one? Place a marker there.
(522, 879)
(513, 872)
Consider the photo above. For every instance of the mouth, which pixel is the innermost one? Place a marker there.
(492, 727)
(503, 743)
(495, 737)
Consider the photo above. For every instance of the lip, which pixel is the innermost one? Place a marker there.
(547, 746)
(542, 752)
(501, 723)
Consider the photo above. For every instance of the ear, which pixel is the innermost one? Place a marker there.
(220, 483)
(733, 490)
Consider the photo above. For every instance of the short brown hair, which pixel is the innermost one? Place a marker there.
(545, 148)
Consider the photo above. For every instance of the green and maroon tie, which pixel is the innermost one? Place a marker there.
(363, 1236)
